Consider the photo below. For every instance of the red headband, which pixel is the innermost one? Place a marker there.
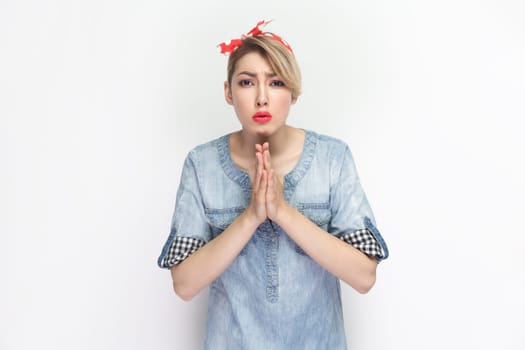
(256, 31)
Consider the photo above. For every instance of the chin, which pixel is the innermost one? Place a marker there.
(265, 132)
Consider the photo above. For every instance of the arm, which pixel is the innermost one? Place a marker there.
(336, 256)
(206, 264)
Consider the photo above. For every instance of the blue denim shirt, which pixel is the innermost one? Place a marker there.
(273, 295)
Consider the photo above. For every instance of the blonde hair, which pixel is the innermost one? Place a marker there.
(278, 56)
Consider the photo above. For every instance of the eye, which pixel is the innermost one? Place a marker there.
(245, 82)
(277, 83)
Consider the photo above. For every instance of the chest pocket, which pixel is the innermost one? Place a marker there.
(318, 213)
(220, 219)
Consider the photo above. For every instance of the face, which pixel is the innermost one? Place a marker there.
(260, 98)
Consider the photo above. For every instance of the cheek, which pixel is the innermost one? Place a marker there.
(237, 99)
(284, 101)
(241, 104)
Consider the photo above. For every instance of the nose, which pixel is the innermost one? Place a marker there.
(262, 97)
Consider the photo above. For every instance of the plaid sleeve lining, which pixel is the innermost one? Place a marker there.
(180, 249)
(364, 241)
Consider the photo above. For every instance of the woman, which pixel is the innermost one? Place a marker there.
(271, 216)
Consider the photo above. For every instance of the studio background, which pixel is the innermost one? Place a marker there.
(100, 101)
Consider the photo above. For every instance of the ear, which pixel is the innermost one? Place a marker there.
(294, 99)
(228, 93)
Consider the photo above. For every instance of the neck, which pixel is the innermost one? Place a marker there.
(286, 148)
(279, 141)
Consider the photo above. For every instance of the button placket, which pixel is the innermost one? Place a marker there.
(271, 247)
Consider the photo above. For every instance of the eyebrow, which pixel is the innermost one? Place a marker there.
(253, 75)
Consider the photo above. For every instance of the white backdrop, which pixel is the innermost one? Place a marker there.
(101, 100)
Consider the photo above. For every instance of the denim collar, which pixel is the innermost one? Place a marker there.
(290, 180)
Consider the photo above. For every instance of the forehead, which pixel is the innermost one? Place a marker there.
(252, 62)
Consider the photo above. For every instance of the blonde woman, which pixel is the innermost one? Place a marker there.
(271, 217)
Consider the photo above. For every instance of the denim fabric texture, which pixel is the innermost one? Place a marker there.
(273, 295)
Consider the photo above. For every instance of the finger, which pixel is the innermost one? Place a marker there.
(260, 160)
(271, 182)
(261, 188)
(267, 160)
(271, 195)
(258, 171)
(263, 185)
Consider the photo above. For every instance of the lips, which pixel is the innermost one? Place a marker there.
(262, 117)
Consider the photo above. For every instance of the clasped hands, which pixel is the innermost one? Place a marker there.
(267, 189)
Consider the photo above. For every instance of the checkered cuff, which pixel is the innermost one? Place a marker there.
(180, 249)
(365, 241)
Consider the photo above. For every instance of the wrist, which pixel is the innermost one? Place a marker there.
(249, 219)
(283, 214)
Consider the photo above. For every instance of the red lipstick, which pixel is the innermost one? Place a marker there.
(262, 117)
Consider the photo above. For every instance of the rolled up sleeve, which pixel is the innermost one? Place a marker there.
(352, 218)
(189, 228)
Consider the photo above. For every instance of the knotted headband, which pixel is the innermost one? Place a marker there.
(255, 31)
